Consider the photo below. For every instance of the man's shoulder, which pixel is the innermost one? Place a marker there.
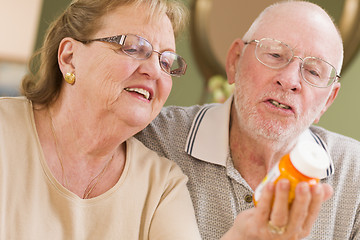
(342, 148)
(168, 132)
(333, 138)
(178, 116)
(189, 112)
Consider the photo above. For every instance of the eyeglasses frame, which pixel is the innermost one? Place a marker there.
(336, 79)
(120, 40)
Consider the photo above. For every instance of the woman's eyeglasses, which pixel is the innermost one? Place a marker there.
(140, 48)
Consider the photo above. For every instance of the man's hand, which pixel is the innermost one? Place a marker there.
(272, 218)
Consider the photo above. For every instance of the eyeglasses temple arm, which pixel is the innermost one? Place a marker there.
(119, 39)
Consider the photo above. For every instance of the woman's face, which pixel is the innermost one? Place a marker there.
(118, 88)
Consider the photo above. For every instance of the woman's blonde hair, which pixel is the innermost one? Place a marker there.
(79, 21)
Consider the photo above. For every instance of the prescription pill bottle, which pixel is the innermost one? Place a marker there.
(307, 162)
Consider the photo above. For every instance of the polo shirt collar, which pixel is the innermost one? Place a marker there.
(208, 139)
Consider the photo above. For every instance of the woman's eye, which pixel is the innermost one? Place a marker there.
(131, 50)
(166, 65)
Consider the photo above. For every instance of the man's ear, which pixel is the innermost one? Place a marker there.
(332, 96)
(232, 59)
(65, 55)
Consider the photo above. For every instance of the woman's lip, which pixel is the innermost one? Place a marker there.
(138, 96)
(139, 91)
(142, 90)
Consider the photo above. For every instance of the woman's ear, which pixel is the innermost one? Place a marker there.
(232, 59)
(65, 55)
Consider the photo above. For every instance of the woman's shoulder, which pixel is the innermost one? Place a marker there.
(13, 109)
(6, 102)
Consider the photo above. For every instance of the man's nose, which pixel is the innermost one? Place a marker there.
(289, 77)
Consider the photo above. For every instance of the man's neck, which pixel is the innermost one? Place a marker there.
(254, 156)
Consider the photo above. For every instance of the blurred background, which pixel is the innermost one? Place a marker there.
(214, 25)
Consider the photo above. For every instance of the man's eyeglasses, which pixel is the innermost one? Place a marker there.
(140, 48)
(276, 54)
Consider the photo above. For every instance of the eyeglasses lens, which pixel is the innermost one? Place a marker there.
(275, 54)
(318, 72)
(172, 63)
(139, 48)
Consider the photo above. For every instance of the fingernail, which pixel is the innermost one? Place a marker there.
(316, 189)
(304, 187)
(284, 184)
(270, 186)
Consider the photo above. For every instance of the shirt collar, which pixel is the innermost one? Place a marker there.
(208, 139)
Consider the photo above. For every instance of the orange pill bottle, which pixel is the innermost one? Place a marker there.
(307, 162)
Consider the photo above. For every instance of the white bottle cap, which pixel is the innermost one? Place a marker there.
(310, 159)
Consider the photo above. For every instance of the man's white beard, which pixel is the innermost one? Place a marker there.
(250, 121)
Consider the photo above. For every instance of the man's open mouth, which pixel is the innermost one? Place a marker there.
(279, 105)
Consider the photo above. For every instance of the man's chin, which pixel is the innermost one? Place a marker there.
(275, 132)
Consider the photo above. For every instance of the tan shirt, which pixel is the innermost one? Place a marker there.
(150, 200)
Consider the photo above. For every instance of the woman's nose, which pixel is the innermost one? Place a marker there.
(151, 66)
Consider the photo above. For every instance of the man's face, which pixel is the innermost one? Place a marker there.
(278, 103)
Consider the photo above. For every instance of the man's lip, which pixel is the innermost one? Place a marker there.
(280, 104)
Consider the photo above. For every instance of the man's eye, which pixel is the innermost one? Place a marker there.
(314, 73)
(275, 55)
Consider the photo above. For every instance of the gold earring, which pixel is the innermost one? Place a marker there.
(70, 78)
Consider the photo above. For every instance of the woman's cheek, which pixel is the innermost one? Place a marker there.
(167, 86)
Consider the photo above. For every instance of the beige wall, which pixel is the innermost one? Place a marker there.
(18, 27)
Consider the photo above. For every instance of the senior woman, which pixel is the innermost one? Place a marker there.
(69, 166)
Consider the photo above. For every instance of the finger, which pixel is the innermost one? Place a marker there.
(328, 191)
(299, 207)
(320, 193)
(263, 210)
(265, 203)
(280, 210)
